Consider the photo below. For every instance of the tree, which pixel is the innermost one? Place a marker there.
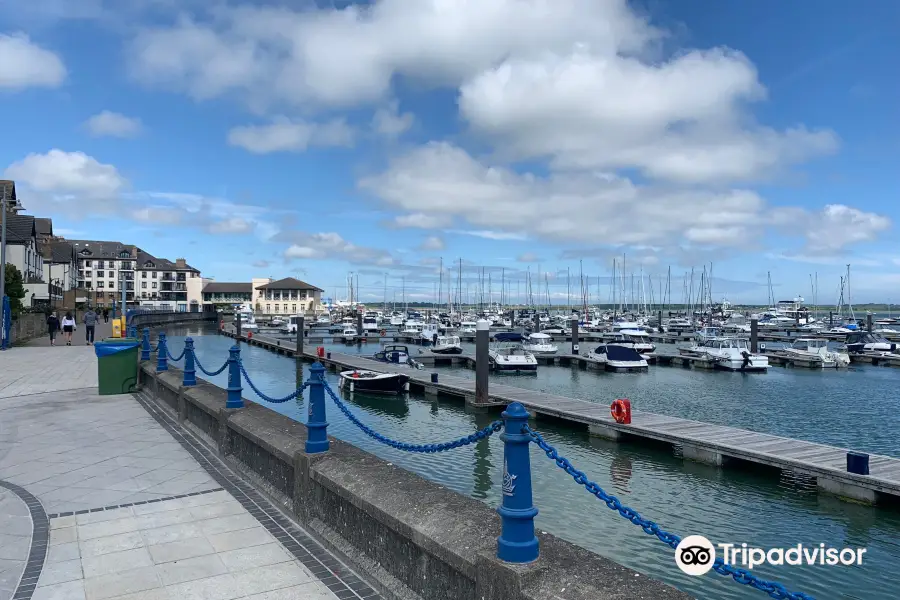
(14, 288)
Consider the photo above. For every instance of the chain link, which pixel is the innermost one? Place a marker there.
(180, 356)
(424, 448)
(261, 394)
(209, 373)
(772, 588)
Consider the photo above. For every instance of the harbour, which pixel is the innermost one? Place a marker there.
(772, 493)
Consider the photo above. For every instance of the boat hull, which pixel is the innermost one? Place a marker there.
(448, 350)
(383, 383)
(624, 366)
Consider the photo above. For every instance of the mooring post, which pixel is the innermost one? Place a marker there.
(145, 344)
(659, 325)
(190, 373)
(234, 379)
(517, 542)
(237, 325)
(830, 318)
(132, 331)
(316, 425)
(359, 329)
(482, 339)
(537, 322)
(162, 358)
(301, 331)
(754, 335)
(869, 322)
(575, 336)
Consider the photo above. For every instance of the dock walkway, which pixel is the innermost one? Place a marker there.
(703, 442)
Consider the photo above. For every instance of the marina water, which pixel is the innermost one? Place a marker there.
(855, 408)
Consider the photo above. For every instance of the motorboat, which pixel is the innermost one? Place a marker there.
(396, 355)
(323, 320)
(509, 336)
(429, 334)
(507, 356)
(868, 342)
(248, 321)
(349, 334)
(374, 382)
(291, 325)
(276, 322)
(840, 329)
(412, 328)
(397, 319)
(618, 358)
(818, 347)
(556, 330)
(539, 345)
(639, 340)
(468, 327)
(733, 354)
(447, 344)
(370, 322)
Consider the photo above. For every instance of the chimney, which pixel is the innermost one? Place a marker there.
(134, 251)
(180, 263)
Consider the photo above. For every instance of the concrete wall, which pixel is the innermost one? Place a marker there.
(150, 319)
(27, 326)
(410, 537)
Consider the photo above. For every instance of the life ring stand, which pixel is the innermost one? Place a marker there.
(620, 410)
(383, 332)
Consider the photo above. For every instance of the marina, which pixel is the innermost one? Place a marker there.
(698, 441)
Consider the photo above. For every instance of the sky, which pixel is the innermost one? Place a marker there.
(521, 138)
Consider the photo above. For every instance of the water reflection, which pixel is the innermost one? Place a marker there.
(388, 405)
(726, 505)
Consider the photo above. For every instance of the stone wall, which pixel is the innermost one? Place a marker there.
(27, 326)
(412, 538)
(152, 319)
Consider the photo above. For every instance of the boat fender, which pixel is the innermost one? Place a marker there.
(620, 410)
(355, 374)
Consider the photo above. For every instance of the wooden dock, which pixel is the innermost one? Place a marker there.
(697, 441)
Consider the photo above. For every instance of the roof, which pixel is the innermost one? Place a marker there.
(214, 287)
(58, 252)
(19, 229)
(289, 283)
(44, 226)
(100, 249)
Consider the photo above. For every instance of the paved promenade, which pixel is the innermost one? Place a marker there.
(102, 497)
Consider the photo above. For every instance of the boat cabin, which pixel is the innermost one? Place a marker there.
(810, 344)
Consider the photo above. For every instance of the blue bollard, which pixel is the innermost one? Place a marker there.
(190, 373)
(162, 353)
(316, 425)
(234, 379)
(145, 345)
(132, 332)
(517, 542)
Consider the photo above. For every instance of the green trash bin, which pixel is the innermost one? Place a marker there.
(117, 364)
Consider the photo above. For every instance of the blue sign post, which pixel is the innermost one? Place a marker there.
(517, 542)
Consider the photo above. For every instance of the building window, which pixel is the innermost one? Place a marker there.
(112, 284)
(154, 275)
(143, 284)
(144, 274)
(99, 284)
(154, 285)
(99, 273)
(294, 308)
(268, 308)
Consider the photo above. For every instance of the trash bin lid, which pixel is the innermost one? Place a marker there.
(117, 341)
(114, 346)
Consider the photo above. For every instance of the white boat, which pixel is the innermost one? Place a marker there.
(554, 330)
(468, 327)
(733, 354)
(374, 382)
(397, 319)
(446, 344)
(511, 357)
(639, 340)
(349, 334)
(429, 333)
(292, 324)
(370, 322)
(276, 322)
(818, 347)
(539, 345)
(840, 329)
(412, 328)
(323, 320)
(618, 358)
(868, 342)
(248, 321)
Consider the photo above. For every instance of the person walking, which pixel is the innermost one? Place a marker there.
(90, 321)
(52, 327)
(106, 315)
(68, 326)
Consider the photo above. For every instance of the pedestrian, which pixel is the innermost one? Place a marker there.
(106, 315)
(52, 327)
(68, 326)
(90, 321)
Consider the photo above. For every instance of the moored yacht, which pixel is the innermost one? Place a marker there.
(733, 354)
(818, 347)
(618, 358)
(868, 342)
(540, 344)
(511, 357)
(248, 321)
(447, 344)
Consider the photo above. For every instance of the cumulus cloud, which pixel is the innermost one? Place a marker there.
(286, 135)
(232, 225)
(331, 245)
(24, 64)
(837, 226)
(421, 221)
(388, 121)
(113, 124)
(432, 243)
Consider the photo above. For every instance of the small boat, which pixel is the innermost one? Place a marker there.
(323, 320)
(292, 324)
(636, 338)
(370, 322)
(508, 336)
(349, 334)
(248, 321)
(556, 330)
(818, 347)
(733, 354)
(868, 342)
(276, 322)
(429, 334)
(618, 358)
(511, 357)
(539, 345)
(468, 327)
(447, 344)
(374, 382)
(396, 355)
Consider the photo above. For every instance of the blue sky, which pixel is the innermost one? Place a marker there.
(296, 139)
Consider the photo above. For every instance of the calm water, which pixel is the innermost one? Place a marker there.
(685, 498)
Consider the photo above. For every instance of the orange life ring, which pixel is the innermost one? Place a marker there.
(619, 411)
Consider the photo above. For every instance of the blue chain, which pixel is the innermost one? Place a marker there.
(155, 350)
(291, 396)
(425, 448)
(772, 588)
(180, 356)
(209, 373)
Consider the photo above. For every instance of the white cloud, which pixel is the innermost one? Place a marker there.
(837, 226)
(159, 215)
(388, 121)
(113, 124)
(233, 225)
(421, 221)
(528, 257)
(432, 243)
(490, 234)
(69, 182)
(283, 135)
(261, 264)
(501, 203)
(24, 64)
(331, 245)
(350, 56)
(680, 120)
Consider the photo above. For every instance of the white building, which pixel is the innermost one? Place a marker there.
(288, 296)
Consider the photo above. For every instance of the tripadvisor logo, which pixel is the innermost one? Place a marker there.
(696, 555)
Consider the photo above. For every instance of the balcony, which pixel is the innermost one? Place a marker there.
(167, 277)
